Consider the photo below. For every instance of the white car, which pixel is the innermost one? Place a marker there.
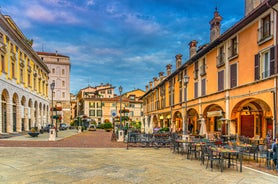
(92, 127)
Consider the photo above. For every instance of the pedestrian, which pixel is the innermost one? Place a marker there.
(275, 152)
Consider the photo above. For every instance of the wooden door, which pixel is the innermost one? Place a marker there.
(247, 125)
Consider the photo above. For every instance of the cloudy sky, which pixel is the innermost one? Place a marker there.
(121, 42)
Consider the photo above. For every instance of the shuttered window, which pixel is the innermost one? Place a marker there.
(257, 67)
(273, 68)
(221, 80)
(233, 75)
(196, 89)
(203, 87)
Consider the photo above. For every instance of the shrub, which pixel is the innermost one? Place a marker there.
(107, 125)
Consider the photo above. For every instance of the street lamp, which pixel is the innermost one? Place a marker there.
(186, 80)
(120, 90)
(52, 86)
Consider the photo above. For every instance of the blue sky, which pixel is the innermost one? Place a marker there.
(122, 42)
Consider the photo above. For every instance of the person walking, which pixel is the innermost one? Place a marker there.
(275, 153)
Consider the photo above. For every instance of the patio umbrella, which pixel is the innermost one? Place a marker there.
(203, 128)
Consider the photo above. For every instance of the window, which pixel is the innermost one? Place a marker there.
(233, 48)
(63, 83)
(265, 29)
(91, 112)
(132, 97)
(109, 91)
(196, 70)
(35, 85)
(21, 75)
(53, 70)
(233, 75)
(3, 63)
(99, 112)
(221, 80)
(63, 71)
(196, 90)
(203, 87)
(63, 94)
(29, 79)
(203, 67)
(221, 57)
(1, 38)
(13, 70)
(265, 64)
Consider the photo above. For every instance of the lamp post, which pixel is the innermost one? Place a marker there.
(120, 90)
(52, 86)
(186, 80)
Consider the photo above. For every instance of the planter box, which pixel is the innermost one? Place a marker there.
(34, 134)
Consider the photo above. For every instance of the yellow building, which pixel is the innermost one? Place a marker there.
(228, 86)
(100, 104)
(23, 81)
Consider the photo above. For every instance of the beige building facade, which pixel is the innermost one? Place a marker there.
(59, 66)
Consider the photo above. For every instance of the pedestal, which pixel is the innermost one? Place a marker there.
(79, 129)
(120, 136)
(52, 134)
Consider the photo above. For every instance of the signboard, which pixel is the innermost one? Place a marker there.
(113, 113)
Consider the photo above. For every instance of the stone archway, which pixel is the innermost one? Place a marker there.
(155, 122)
(252, 117)
(5, 111)
(15, 113)
(30, 114)
(23, 116)
(177, 125)
(213, 114)
(192, 119)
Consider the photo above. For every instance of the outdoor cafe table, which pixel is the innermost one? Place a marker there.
(181, 141)
(225, 151)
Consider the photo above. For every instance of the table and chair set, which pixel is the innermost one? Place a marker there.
(226, 152)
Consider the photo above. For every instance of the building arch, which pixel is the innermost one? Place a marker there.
(155, 121)
(5, 110)
(15, 113)
(30, 113)
(212, 115)
(252, 117)
(177, 124)
(192, 119)
(23, 114)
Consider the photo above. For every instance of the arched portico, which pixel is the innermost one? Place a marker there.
(252, 117)
(177, 122)
(192, 119)
(212, 115)
(4, 111)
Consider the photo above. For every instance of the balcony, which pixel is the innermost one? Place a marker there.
(203, 70)
(233, 53)
(220, 60)
(264, 34)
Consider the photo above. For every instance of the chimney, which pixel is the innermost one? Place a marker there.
(160, 74)
(168, 69)
(155, 81)
(192, 48)
(151, 84)
(147, 88)
(178, 60)
(251, 5)
(215, 26)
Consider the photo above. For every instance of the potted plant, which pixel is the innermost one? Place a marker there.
(33, 132)
(107, 126)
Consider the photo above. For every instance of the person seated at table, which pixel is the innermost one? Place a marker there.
(274, 149)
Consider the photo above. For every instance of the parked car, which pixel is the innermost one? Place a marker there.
(92, 127)
(46, 128)
(63, 126)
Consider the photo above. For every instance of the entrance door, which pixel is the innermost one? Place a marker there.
(247, 125)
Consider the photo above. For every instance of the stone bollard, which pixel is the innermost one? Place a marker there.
(52, 134)
(120, 136)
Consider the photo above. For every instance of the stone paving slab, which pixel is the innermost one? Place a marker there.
(114, 165)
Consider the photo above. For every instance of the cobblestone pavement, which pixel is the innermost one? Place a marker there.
(24, 160)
